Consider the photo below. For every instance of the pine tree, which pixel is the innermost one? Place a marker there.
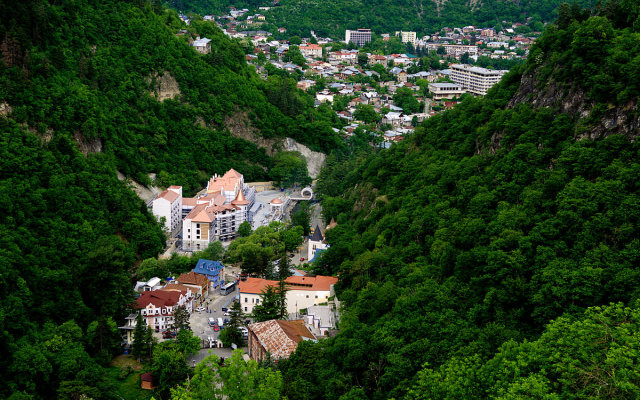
(139, 346)
(180, 319)
(283, 274)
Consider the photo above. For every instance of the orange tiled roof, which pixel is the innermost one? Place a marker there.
(168, 195)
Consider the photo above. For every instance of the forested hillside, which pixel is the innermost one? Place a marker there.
(332, 17)
(89, 88)
(479, 258)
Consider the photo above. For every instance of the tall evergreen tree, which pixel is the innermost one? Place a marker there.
(139, 346)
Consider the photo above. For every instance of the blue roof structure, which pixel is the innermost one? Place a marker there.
(208, 267)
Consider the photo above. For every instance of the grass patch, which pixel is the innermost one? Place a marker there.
(127, 386)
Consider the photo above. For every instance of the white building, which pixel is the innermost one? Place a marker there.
(311, 50)
(316, 242)
(407, 37)
(157, 306)
(359, 37)
(202, 45)
(475, 80)
(302, 291)
(445, 90)
(218, 213)
(168, 205)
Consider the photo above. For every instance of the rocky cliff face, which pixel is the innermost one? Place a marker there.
(240, 126)
(315, 160)
(594, 121)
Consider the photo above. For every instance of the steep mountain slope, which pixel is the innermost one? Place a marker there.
(88, 89)
(457, 246)
(332, 17)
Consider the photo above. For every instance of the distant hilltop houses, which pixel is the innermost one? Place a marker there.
(215, 214)
(341, 73)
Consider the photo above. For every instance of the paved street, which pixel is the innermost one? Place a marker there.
(200, 320)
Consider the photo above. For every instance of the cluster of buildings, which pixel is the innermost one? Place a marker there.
(157, 300)
(215, 214)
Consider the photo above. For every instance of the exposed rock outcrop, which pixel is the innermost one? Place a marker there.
(240, 126)
(87, 146)
(164, 86)
(594, 121)
(145, 193)
(315, 160)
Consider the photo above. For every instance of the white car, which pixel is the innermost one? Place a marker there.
(227, 314)
(200, 309)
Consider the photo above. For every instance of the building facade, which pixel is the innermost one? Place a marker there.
(359, 37)
(302, 291)
(407, 37)
(445, 90)
(157, 306)
(218, 213)
(168, 205)
(311, 50)
(475, 80)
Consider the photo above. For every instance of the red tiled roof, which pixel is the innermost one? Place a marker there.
(192, 278)
(281, 338)
(159, 298)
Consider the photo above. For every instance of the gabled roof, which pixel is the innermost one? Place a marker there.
(159, 298)
(193, 278)
(317, 235)
(169, 195)
(281, 338)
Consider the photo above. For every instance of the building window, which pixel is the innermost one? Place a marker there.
(189, 230)
(245, 309)
(307, 296)
(246, 300)
(257, 301)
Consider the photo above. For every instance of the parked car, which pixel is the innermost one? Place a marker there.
(169, 335)
(227, 314)
(301, 258)
(226, 321)
(200, 309)
(216, 328)
(224, 309)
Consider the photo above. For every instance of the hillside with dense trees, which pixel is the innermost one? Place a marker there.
(479, 257)
(88, 89)
(332, 17)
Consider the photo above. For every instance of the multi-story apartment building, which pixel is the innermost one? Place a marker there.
(168, 205)
(475, 80)
(407, 37)
(311, 50)
(445, 90)
(359, 37)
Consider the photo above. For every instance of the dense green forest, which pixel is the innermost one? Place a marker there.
(78, 103)
(332, 17)
(493, 254)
